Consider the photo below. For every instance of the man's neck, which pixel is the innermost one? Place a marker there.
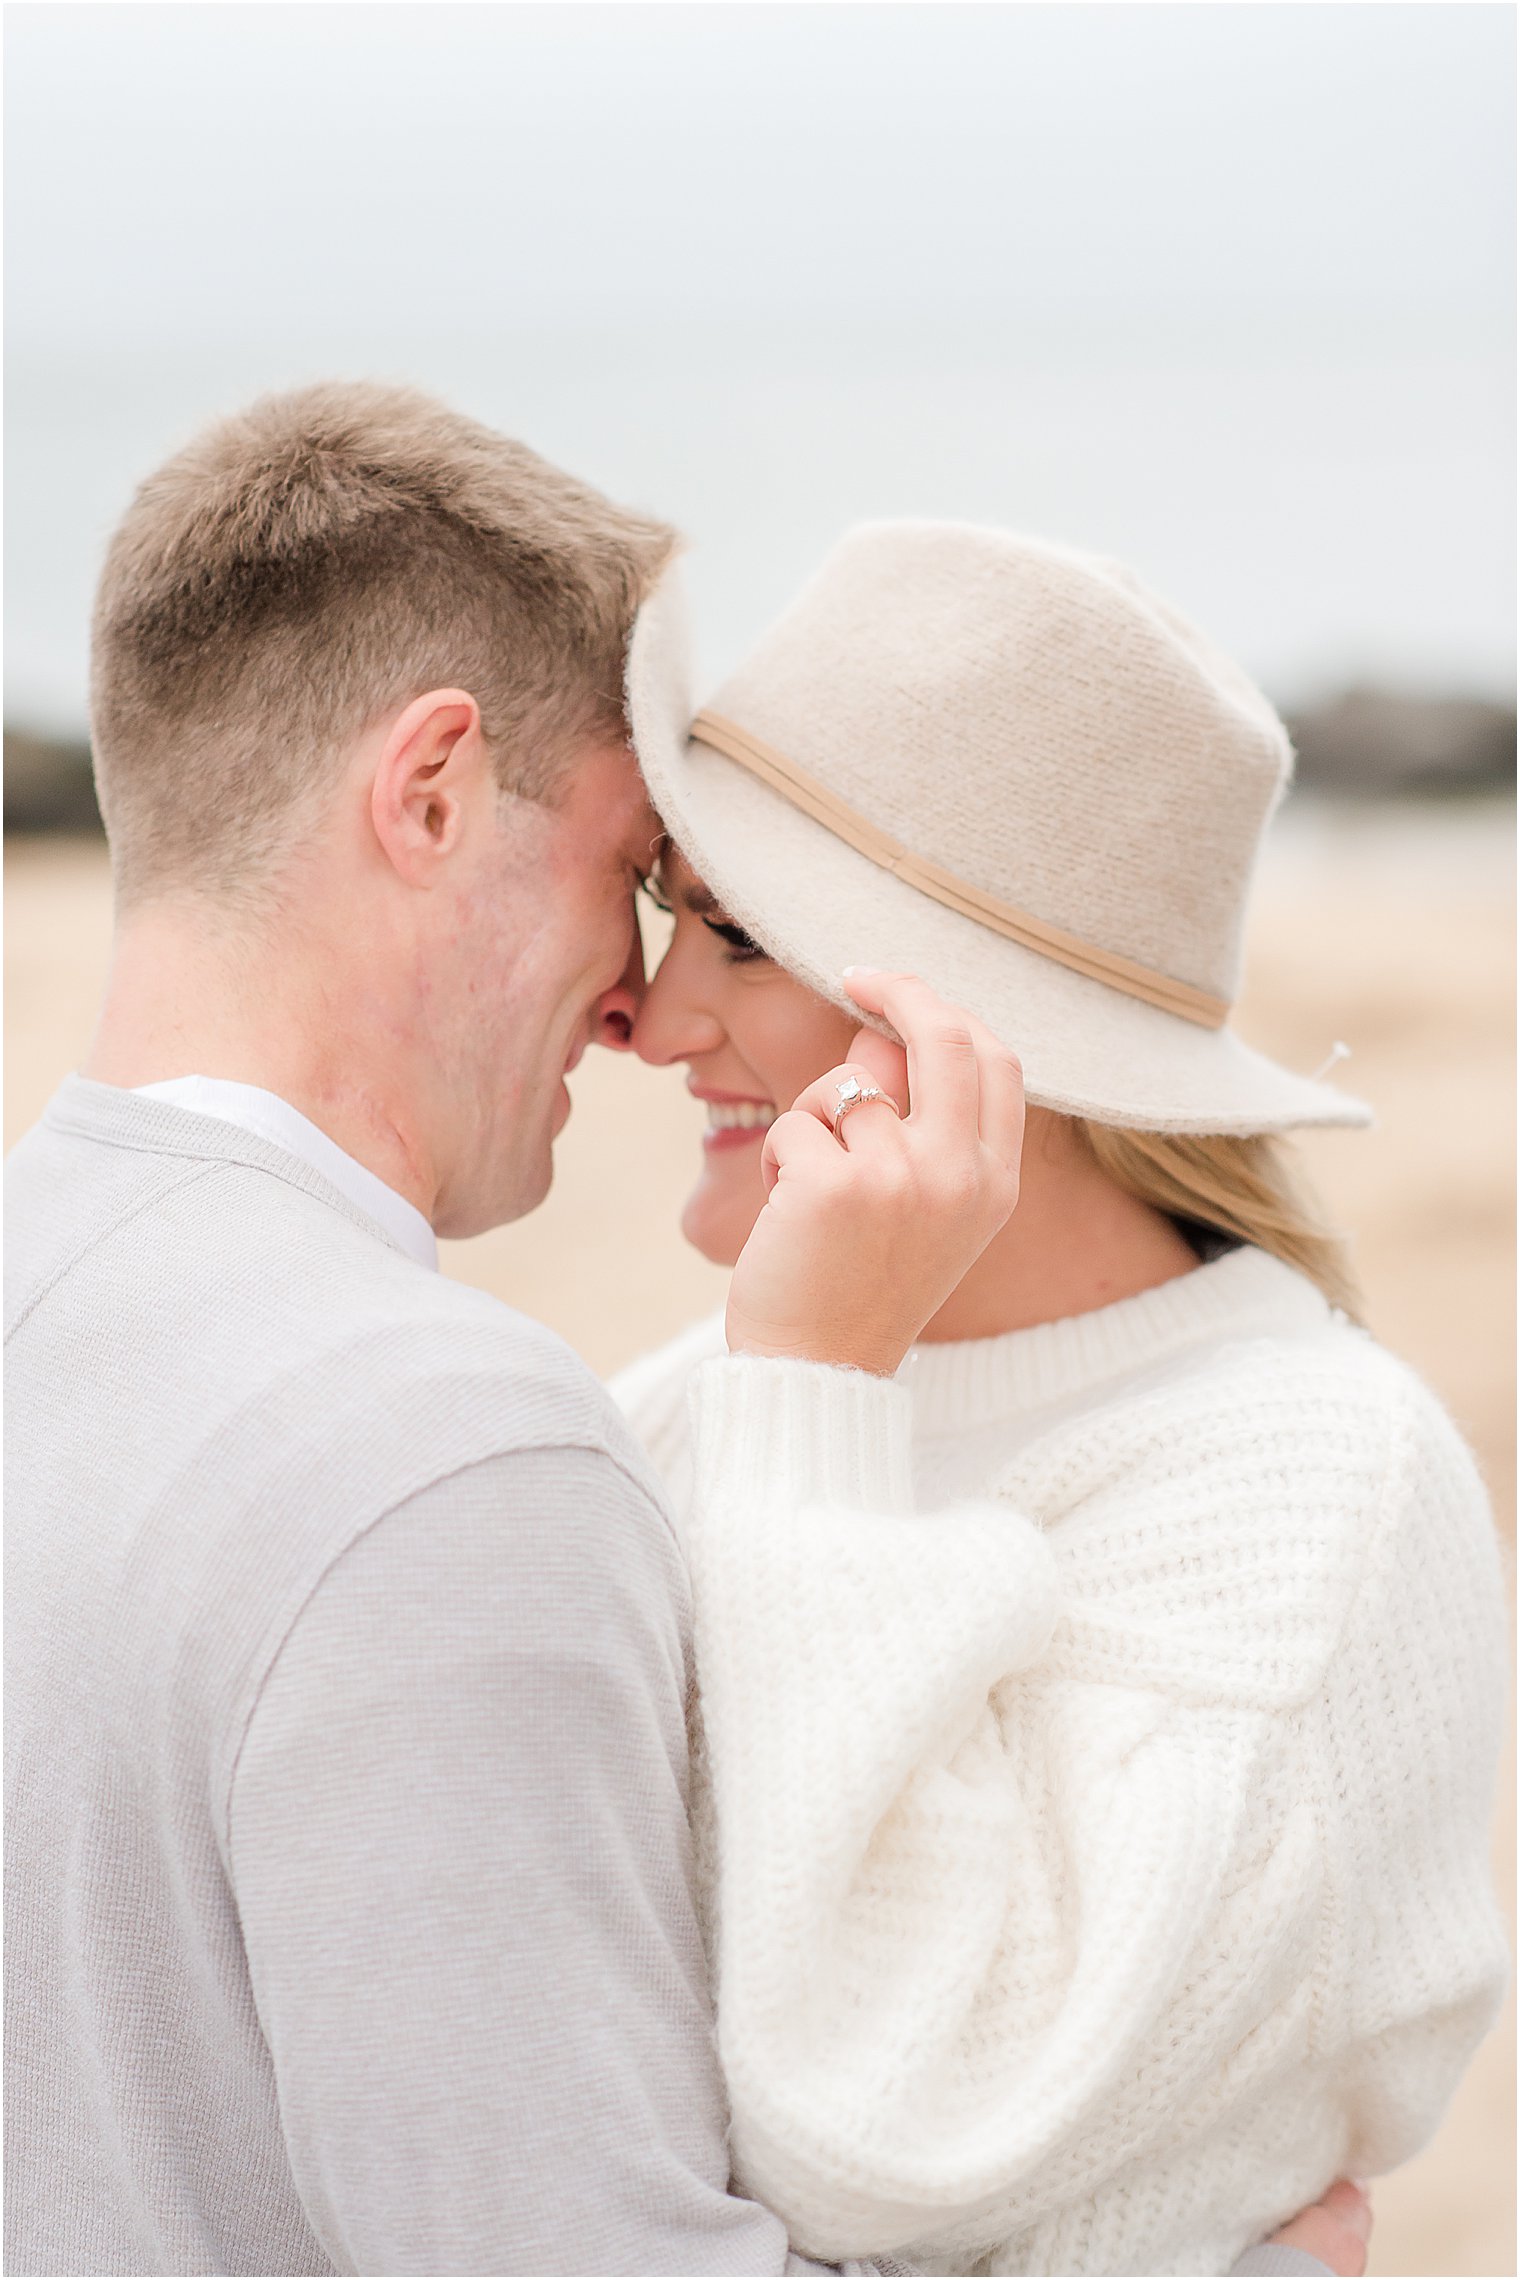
(183, 1001)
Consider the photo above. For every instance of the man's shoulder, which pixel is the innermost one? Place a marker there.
(262, 1347)
(393, 1376)
(242, 1271)
(467, 1369)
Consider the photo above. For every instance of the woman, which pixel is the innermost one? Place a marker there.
(1099, 1638)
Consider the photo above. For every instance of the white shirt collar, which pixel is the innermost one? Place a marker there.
(270, 1118)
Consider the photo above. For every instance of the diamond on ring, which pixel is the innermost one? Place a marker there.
(852, 1094)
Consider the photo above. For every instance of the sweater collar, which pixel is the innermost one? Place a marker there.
(123, 1117)
(252, 1108)
(975, 1381)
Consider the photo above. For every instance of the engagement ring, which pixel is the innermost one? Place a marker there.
(851, 1095)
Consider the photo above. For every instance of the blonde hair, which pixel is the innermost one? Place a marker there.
(1240, 1186)
(316, 561)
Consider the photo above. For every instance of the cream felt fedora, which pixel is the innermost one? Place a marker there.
(1006, 766)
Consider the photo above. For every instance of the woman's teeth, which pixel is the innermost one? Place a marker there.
(739, 1115)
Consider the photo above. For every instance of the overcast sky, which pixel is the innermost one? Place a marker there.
(768, 265)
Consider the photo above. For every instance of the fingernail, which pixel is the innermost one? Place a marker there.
(857, 973)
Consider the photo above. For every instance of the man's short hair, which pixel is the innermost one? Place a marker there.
(302, 569)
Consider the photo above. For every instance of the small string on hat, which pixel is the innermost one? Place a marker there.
(1338, 1052)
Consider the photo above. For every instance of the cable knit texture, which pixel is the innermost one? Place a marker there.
(1097, 1736)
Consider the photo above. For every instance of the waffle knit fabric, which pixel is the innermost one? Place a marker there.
(1098, 1732)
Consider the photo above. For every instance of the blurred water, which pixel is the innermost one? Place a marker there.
(1225, 291)
(1418, 848)
(1327, 517)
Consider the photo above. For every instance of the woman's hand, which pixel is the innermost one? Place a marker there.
(868, 1227)
(1336, 2229)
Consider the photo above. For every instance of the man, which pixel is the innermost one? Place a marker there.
(351, 1921)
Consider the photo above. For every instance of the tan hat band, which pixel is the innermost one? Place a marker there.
(803, 791)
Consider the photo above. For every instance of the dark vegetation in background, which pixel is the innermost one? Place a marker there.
(1366, 744)
(48, 785)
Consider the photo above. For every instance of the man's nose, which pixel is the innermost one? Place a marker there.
(617, 1009)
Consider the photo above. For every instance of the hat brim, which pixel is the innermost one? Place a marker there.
(816, 905)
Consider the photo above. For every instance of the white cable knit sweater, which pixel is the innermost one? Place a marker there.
(1099, 1725)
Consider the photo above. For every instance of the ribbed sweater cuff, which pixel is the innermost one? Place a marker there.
(772, 1432)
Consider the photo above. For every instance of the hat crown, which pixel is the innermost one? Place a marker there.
(1034, 721)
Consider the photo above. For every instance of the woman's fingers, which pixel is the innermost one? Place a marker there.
(871, 1219)
(944, 1079)
(932, 1028)
(1002, 1088)
(883, 1060)
(861, 1126)
(799, 1139)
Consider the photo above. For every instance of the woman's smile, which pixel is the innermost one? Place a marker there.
(734, 1120)
(752, 1037)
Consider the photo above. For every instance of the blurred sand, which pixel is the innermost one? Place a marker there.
(1393, 931)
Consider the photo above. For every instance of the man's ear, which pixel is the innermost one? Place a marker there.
(432, 770)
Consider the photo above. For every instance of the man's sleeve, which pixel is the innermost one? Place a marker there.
(461, 1858)
(1279, 2263)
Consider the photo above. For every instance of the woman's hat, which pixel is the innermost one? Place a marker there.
(1006, 766)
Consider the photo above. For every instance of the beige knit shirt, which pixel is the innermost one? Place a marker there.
(1100, 1734)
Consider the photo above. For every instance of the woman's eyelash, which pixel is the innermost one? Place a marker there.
(741, 946)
